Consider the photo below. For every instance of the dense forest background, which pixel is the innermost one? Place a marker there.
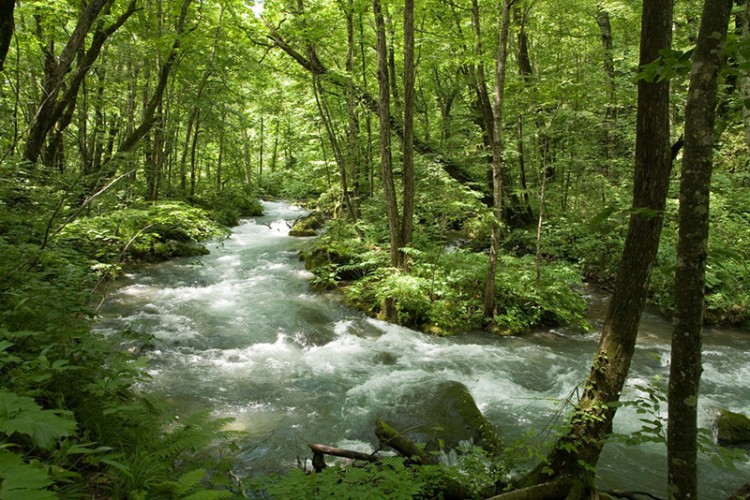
(471, 162)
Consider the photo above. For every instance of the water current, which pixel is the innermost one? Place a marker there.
(241, 331)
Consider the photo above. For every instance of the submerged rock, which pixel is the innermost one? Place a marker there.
(733, 428)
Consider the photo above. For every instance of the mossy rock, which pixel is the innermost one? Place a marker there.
(733, 428)
(302, 233)
(308, 225)
(442, 416)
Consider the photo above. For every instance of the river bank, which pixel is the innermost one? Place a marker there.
(241, 332)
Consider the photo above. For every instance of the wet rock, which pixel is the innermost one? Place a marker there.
(442, 416)
(308, 225)
(733, 428)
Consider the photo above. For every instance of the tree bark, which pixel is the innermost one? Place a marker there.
(312, 63)
(352, 125)
(7, 26)
(692, 248)
(577, 452)
(610, 114)
(386, 162)
(407, 220)
(149, 113)
(744, 79)
(498, 164)
(58, 94)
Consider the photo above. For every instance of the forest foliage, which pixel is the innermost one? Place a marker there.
(135, 130)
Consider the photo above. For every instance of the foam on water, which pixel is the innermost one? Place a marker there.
(240, 331)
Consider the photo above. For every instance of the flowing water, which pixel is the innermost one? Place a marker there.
(240, 331)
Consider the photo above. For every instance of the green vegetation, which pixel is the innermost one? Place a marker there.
(72, 423)
(135, 131)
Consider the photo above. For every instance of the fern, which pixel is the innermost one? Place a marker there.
(197, 431)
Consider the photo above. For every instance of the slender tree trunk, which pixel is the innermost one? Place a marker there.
(407, 221)
(369, 175)
(497, 161)
(526, 71)
(220, 160)
(194, 160)
(60, 93)
(260, 149)
(745, 78)
(576, 453)
(164, 71)
(692, 248)
(522, 167)
(338, 153)
(275, 147)
(352, 125)
(610, 114)
(386, 165)
(392, 74)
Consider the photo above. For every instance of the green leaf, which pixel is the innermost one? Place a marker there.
(208, 495)
(21, 414)
(189, 480)
(22, 481)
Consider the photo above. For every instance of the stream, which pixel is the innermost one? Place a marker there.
(241, 331)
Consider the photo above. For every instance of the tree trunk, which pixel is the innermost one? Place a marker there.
(610, 114)
(744, 79)
(338, 153)
(194, 159)
(497, 161)
(386, 162)
(407, 220)
(352, 125)
(692, 247)
(6, 28)
(312, 63)
(164, 71)
(60, 93)
(577, 452)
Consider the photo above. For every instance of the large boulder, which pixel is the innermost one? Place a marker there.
(442, 416)
(733, 428)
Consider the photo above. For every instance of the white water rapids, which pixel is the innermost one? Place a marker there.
(240, 331)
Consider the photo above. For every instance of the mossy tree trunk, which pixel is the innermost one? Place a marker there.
(576, 453)
(386, 159)
(692, 248)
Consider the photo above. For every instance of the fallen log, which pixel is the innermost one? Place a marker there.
(320, 450)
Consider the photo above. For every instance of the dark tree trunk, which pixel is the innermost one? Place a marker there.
(407, 220)
(149, 114)
(577, 452)
(7, 26)
(59, 94)
(386, 162)
(692, 247)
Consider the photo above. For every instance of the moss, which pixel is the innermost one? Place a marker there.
(733, 428)
(302, 233)
(308, 225)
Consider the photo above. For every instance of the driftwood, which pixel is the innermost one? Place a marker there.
(320, 450)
